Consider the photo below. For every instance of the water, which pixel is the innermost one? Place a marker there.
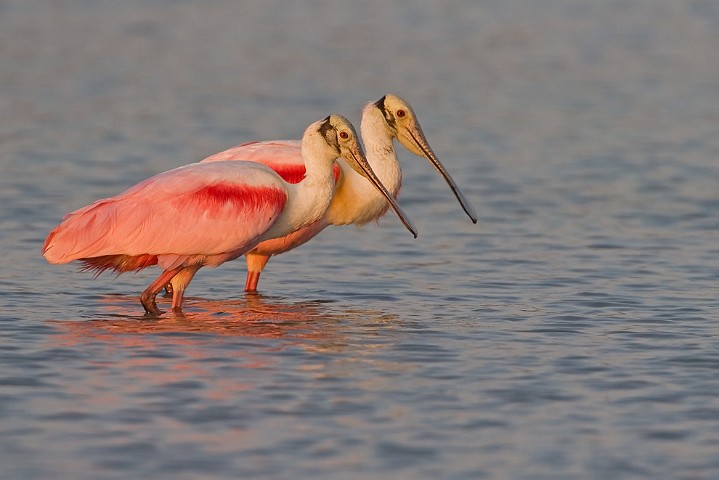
(572, 333)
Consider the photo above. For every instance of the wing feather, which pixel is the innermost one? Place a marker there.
(199, 209)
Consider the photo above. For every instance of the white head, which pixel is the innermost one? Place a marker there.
(401, 123)
(334, 137)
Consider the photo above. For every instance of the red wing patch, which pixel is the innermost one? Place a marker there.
(294, 173)
(216, 198)
(290, 173)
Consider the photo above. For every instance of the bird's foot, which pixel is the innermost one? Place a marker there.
(150, 305)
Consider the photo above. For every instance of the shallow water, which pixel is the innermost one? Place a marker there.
(571, 333)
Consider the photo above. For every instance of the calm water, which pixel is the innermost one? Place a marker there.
(571, 333)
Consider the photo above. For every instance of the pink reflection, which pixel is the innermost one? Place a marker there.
(193, 343)
(133, 355)
(311, 325)
(252, 316)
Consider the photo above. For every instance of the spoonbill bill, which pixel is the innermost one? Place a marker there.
(354, 201)
(205, 214)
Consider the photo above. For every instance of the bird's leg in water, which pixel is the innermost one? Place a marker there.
(255, 263)
(179, 283)
(148, 296)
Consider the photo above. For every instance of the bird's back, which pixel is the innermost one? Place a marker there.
(282, 156)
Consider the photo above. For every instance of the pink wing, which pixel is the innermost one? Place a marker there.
(196, 210)
(282, 156)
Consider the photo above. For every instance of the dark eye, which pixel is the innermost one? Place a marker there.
(344, 135)
(401, 113)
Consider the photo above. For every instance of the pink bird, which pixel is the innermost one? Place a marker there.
(354, 201)
(205, 214)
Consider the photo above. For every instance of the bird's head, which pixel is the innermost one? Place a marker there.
(336, 136)
(402, 124)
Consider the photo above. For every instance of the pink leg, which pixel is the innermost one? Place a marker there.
(179, 283)
(148, 296)
(255, 264)
(251, 282)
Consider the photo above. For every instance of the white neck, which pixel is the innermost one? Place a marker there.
(308, 200)
(356, 200)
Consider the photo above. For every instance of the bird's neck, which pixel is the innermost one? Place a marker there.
(314, 194)
(357, 200)
(380, 152)
(308, 200)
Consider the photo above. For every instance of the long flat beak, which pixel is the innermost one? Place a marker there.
(359, 164)
(414, 137)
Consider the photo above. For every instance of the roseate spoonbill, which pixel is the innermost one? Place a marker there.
(354, 200)
(205, 214)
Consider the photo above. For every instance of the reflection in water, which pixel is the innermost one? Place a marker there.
(254, 316)
(221, 381)
(218, 351)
